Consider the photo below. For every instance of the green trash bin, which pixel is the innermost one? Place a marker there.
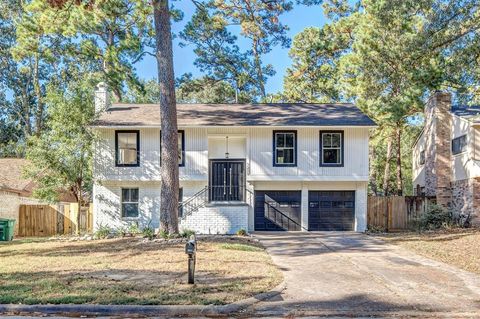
(7, 227)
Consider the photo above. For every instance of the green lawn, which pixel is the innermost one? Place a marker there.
(128, 271)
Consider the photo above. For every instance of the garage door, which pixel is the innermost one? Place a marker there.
(331, 210)
(278, 210)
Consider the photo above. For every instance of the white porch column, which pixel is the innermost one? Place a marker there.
(304, 211)
(361, 206)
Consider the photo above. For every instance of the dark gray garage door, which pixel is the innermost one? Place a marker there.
(331, 210)
(278, 210)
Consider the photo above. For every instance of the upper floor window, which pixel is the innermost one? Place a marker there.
(331, 148)
(459, 144)
(422, 157)
(181, 148)
(285, 148)
(129, 202)
(127, 148)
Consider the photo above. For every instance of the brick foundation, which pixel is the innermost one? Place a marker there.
(217, 219)
(476, 202)
(466, 199)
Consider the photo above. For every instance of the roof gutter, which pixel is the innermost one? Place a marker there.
(119, 127)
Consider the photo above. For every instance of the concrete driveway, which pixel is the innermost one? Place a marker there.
(351, 274)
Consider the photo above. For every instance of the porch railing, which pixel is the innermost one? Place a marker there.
(194, 203)
(211, 194)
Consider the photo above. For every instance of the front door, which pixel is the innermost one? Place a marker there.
(227, 180)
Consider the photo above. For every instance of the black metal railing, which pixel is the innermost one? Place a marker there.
(194, 203)
(224, 193)
(279, 218)
(211, 194)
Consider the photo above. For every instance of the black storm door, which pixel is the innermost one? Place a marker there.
(227, 180)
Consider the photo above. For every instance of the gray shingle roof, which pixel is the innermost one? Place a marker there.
(466, 111)
(275, 114)
(11, 175)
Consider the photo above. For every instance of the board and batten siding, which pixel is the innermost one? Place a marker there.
(258, 153)
(308, 154)
(196, 156)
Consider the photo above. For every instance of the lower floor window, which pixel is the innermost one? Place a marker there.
(129, 202)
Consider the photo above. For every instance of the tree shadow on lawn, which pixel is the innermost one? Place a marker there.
(109, 247)
(123, 286)
(78, 248)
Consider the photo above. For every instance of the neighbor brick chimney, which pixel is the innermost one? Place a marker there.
(438, 163)
(102, 97)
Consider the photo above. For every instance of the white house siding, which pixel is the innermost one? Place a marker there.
(462, 166)
(418, 170)
(308, 160)
(201, 144)
(259, 149)
(107, 204)
(104, 157)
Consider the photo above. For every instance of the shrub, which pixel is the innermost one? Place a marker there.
(186, 233)
(148, 232)
(134, 229)
(434, 218)
(121, 231)
(241, 232)
(164, 234)
(375, 229)
(462, 219)
(102, 232)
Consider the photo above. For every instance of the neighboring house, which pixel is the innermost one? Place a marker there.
(446, 156)
(14, 189)
(253, 167)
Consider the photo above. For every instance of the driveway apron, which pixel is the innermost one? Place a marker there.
(348, 274)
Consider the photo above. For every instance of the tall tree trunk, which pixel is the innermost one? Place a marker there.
(386, 173)
(398, 134)
(117, 94)
(80, 202)
(258, 67)
(373, 171)
(168, 112)
(38, 94)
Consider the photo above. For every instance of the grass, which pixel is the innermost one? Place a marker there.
(458, 247)
(129, 271)
(241, 247)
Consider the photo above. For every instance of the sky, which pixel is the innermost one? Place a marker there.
(297, 19)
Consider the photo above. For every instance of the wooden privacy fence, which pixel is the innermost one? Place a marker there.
(49, 220)
(395, 213)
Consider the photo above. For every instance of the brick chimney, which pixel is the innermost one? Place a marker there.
(438, 162)
(102, 98)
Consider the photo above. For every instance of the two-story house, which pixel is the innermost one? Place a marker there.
(242, 166)
(446, 156)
